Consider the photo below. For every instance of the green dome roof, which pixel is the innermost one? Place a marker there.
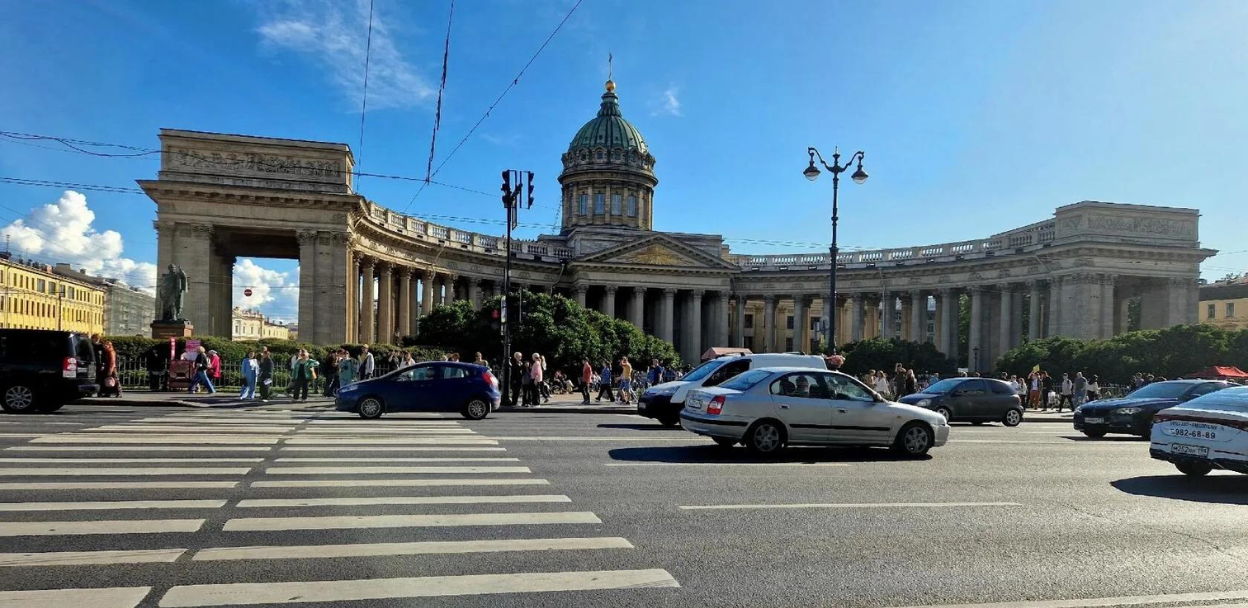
(609, 129)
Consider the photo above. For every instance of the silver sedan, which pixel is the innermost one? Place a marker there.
(769, 408)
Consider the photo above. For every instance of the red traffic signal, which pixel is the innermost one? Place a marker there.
(247, 292)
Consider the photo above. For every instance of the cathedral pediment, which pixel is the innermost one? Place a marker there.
(657, 251)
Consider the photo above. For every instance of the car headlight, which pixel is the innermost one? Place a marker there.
(923, 402)
(1127, 411)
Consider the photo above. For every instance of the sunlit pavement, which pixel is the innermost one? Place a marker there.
(115, 506)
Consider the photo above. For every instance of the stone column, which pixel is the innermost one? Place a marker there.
(637, 310)
(308, 306)
(474, 291)
(335, 274)
(405, 301)
(888, 306)
(768, 325)
(667, 312)
(1107, 306)
(693, 335)
(1054, 327)
(975, 342)
(918, 316)
(799, 323)
(608, 301)
(222, 293)
(1005, 335)
(738, 339)
(426, 292)
(859, 312)
(413, 298)
(1033, 311)
(385, 304)
(1182, 306)
(368, 311)
(1123, 318)
(448, 289)
(578, 293)
(947, 309)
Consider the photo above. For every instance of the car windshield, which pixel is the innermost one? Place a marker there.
(744, 381)
(943, 386)
(703, 370)
(1229, 400)
(1160, 390)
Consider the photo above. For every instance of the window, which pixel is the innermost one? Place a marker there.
(1230, 310)
(744, 381)
(1210, 310)
(749, 321)
(582, 205)
(632, 206)
(617, 203)
(727, 371)
(600, 204)
(748, 342)
(844, 388)
(419, 374)
(814, 324)
(788, 323)
(450, 371)
(788, 345)
(807, 385)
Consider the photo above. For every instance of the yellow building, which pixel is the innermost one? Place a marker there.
(33, 297)
(275, 331)
(252, 325)
(1224, 305)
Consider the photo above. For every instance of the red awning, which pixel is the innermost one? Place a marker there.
(1218, 372)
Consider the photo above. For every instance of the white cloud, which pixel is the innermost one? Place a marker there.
(334, 34)
(63, 232)
(274, 293)
(668, 103)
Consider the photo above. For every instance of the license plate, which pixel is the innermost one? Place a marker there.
(1094, 421)
(1189, 450)
(641, 406)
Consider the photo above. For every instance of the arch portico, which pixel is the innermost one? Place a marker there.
(367, 273)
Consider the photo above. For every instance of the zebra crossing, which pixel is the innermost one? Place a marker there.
(262, 506)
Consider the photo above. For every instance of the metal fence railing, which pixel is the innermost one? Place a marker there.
(133, 375)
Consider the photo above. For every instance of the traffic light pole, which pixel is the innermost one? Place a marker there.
(511, 197)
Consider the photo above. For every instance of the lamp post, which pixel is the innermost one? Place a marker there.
(859, 176)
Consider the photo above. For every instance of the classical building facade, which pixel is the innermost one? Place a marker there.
(128, 311)
(32, 296)
(367, 273)
(1224, 304)
(250, 324)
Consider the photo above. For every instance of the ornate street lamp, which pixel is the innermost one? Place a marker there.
(859, 176)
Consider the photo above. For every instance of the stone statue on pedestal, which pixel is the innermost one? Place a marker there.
(170, 293)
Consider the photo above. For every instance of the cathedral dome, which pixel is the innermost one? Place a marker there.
(609, 139)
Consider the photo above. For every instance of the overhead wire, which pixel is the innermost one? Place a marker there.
(437, 113)
(368, 51)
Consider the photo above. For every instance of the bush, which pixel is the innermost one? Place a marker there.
(877, 353)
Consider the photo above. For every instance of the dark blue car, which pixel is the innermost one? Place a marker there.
(1133, 414)
(440, 386)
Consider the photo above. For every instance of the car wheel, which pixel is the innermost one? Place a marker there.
(1193, 469)
(1094, 434)
(672, 421)
(725, 442)
(371, 408)
(1012, 417)
(945, 412)
(914, 439)
(476, 409)
(18, 399)
(765, 437)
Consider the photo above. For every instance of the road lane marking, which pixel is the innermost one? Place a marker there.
(354, 449)
(725, 464)
(124, 460)
(111, 504)
(386, 470)
(116, 485)
(1130, 600)
(396, 483)
(86, 558)
(305, 440)
(100, 597)
(155, 439)
(127, 471)
(119, 526)
(365, 501)
(423, 459)
(137, 448)
(1080, 442)
(681, 439)
(416, 548)
(245, 594)
(865, 505)
(202, 429)
(275, 524)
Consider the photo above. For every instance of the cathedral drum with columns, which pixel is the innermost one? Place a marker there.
(367, 273)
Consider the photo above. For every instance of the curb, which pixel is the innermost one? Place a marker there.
(568, 410)
(169, 403)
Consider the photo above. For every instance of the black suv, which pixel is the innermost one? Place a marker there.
(42, 370)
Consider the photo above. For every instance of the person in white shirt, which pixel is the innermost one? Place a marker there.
(367, 365)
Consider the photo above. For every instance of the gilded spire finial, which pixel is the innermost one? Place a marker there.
(610, 70)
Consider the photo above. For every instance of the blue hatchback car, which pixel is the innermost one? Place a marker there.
(436, 386)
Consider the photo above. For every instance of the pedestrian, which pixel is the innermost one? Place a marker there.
(453, 357)
(214, 367)
(1033, 396)
(201, 373)
(912, 383)
(264, 376)
(329, 369)
(833, 362)
(250, 369)
(479, 360)
(587, 376)
(367, 364)
(881, 385)
(626, 381)
(97, 351)
(1047, 386)
(604, 383)
(536, 373)
(898, 384)
(112, 381)
(1094, 388)
(655, 374)
(348, 369)
(515, 379)
(302, 376)
(1067, 394)
(543, 389)
(156, 363)
(1081, 390)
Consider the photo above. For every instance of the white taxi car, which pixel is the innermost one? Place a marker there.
(1205, 433)
(769, 408)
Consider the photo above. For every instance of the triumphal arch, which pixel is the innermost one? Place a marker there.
(367, 273)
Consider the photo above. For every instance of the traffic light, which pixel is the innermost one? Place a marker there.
(530, 189)
(506, 188)
(496, 320)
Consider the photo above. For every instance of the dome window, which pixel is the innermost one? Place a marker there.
(632, 205)
(617, 202)
(582, 205)
(601, 155)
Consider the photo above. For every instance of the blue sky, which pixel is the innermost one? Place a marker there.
(976, 116)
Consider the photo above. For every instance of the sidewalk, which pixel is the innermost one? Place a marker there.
(220, 400)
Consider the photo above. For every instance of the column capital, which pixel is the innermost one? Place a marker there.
(611, 288)
(1032, 284)
(978, 289)
(367, 263)
(769, 299)
(1006, 287)
(405, 272)
(697, 293)
(305, 237)
(385, 267)
(916, 294)
(580, 288)
(669, 292)
(857, 297)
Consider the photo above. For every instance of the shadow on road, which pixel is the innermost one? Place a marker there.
(715, 454)
(1106, 439)
(641, 427)
(1222, 489)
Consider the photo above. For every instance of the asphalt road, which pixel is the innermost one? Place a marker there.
(590, 510)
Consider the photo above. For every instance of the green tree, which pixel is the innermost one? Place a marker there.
(877, 353)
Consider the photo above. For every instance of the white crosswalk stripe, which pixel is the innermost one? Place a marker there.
(152, 492)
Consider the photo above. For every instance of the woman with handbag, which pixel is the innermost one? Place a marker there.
(302, 376)
(111, 383)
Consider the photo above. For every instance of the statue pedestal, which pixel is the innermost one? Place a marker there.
(163, 330)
